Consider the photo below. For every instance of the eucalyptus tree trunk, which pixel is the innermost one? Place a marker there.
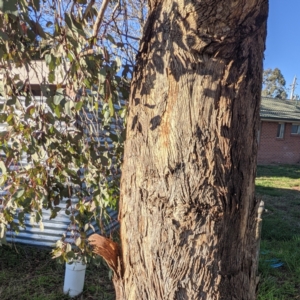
(188, 212)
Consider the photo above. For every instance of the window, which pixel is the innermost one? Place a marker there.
(258, 133)
(295, 129)
(280, 130)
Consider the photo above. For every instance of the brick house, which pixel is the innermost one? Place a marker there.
(279, 133)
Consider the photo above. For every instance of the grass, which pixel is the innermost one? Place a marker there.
(279, 187)
(30, 274)
(278, 180)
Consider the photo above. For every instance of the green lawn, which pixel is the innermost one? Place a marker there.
(279, 187)
(30, 274)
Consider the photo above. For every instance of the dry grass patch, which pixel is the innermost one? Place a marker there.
(29, 273)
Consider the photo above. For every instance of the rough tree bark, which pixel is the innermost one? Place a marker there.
(188, 212)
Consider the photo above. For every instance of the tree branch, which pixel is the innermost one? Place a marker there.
(130, 37)
(100, 17)
(88, 8)
(115, 9)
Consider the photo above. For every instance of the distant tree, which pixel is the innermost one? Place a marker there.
(274, 84)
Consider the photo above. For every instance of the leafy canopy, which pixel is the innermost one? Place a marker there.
(64, 87)
(274, 84)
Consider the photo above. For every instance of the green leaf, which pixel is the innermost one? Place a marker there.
(104, 161)
(57, 111)
(78, 242)
(70, 56)
(21, 218)
(123, 113)
(36, 4)
(11, 101)
(56, 200)
(78, 27)
(68, 107)
(68, 21)
(111, 107)
(68, 203)
(118, 63)
(18, 194)
(78, 105)
(3, 117)
(27, 100)
(70, 256)
(3, 36)
(102, 75)
(3, 167)
(40, 31)
(57, 209)
(74, 25)
(2, 233)
(106, 115)
(9, 6)
(110, 38)
(41, 226)
(48, 59)
(37, 29)
(59, 96)
(51, 77)
(68, 248)
(3, 179)
(114, 137)
(9, 119)
(53, 214)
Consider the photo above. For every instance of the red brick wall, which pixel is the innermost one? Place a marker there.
(275, 150)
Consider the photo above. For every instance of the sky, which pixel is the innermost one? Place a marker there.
(283, 40)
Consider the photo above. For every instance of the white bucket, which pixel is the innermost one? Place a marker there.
(74, 278)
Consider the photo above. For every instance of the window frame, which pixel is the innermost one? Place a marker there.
(298, 129)
(280, 130)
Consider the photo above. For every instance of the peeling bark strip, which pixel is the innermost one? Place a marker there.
(108, 250)
(111, 253)
(188, 212)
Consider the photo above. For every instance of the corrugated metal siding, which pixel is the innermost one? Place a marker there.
(54, 228)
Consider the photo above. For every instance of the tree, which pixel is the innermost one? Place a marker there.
(189, 218)
(274, 84)
(188, 213)
(69, 139)
(71, 136)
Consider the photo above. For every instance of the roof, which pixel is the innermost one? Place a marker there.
(278, 109)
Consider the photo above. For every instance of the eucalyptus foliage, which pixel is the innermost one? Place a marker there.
(62, 148)
(274, 84)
